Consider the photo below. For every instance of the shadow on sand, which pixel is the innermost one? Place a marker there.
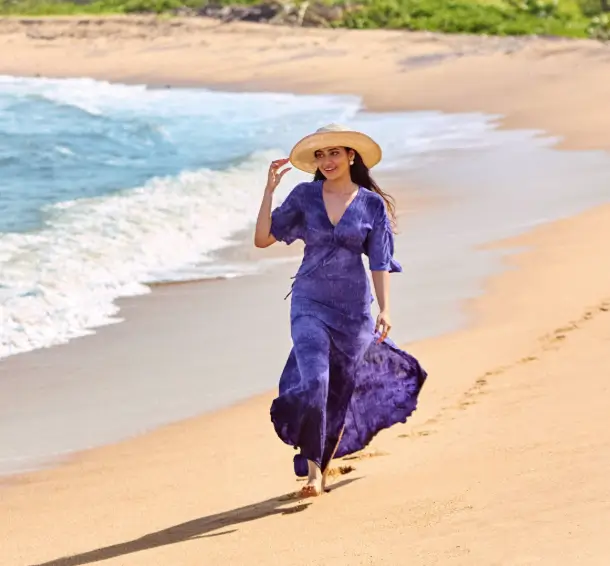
(197, 528)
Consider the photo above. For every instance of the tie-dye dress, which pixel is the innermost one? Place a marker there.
(337, 376)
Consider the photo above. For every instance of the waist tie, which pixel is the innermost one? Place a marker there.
(321, 261)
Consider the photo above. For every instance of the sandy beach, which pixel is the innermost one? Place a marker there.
(503, 463)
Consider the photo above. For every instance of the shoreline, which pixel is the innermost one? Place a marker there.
(499, 390)
(144, 314)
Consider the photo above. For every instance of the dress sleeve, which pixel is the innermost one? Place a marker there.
(287, 219)
(380, 244)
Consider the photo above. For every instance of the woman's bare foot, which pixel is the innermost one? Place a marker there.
(315, 479)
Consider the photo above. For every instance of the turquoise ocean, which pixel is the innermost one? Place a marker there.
(106, 187)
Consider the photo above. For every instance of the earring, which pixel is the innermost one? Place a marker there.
(351, 162)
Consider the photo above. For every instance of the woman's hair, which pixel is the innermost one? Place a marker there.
(361, 175)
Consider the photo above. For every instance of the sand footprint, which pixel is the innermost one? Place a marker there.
(340, 471)
(366, 455)
(547, 342)
(417, 433)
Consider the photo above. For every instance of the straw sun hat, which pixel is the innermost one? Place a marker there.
(302, 155)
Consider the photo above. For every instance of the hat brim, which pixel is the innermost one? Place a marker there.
(303, 157)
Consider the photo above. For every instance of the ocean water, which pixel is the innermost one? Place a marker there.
(106, 187)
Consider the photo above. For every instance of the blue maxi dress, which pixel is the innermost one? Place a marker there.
(337, 376)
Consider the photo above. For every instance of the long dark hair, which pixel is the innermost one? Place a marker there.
(361, 175)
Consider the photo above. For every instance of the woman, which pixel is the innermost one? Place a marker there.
(344, 380)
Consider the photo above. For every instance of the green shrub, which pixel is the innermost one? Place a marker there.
(599, 28)
(462, 16)
(151, 6)
(538, 8)
(592, 7)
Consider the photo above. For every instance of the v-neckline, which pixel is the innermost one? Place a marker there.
(346, 208)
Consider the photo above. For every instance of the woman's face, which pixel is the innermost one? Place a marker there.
(334, 162)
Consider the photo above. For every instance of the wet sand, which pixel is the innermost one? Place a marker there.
(504, 461)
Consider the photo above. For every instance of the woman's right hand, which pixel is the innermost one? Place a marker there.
(275, 175)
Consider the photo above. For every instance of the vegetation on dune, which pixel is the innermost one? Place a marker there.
(569, 18)
(531, 17)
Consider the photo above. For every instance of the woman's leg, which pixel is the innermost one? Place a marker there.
(312, 351)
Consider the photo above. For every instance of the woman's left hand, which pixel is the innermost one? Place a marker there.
(383, 324)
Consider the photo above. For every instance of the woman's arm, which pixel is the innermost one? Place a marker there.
(381, 282)
(262, 234)
(380, 249)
